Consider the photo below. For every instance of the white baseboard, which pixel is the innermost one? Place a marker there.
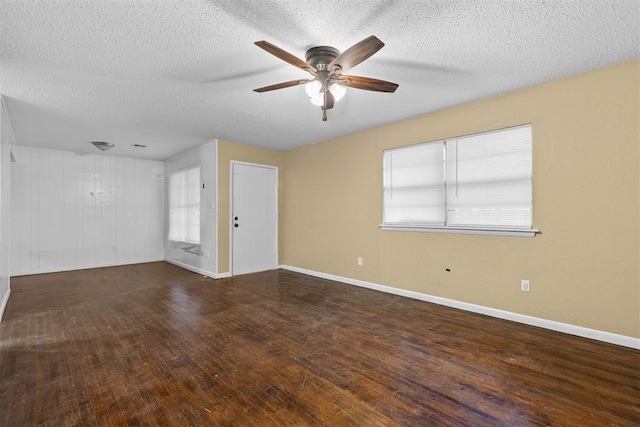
(116, 264)
(3, 305)
(86, 267)
(198, 270)
(566, 328)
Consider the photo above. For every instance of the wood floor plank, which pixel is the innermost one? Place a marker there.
(153, 344)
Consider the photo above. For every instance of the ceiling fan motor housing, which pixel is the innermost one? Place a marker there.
(321, 56)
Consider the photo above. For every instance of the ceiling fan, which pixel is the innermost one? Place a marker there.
(326, 64)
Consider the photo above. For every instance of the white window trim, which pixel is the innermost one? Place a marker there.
(512, 232)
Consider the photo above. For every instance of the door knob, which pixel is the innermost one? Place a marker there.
(235, 225)
(236, 218)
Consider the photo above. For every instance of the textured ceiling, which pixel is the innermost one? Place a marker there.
(175, 74)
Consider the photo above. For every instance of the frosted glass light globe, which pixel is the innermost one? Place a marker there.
(313, 88)
(338, 91)
(318, 99)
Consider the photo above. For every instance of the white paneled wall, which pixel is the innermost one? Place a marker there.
(72, 211)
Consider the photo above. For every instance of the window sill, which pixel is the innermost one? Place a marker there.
(511, 232)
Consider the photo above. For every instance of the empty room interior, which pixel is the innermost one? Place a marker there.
(380, 213)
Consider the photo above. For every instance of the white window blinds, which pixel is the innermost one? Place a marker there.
(476, 181)
(489, 179)
(414, 191)
(184, 206)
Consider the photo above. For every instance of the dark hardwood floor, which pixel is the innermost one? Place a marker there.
(152, 344)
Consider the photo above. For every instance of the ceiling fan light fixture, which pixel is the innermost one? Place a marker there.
(317, 99)
(313, 88)
(338, 91)
(102, 146)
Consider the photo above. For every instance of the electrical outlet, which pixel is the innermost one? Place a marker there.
(360, 261)
(524, 284)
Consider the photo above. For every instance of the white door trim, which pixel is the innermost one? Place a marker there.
(216, 228)
(232, 163)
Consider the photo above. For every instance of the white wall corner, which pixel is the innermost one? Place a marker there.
(7, 141)
(3, 305)
(608, 337)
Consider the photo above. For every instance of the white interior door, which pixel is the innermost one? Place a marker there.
(254, 215)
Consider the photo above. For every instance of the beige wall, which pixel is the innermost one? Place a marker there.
(583, 267)
(228, 151)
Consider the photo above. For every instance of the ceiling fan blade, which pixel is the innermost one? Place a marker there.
(282, 85)
(367, 83)
(284, 55)
(357, 53)
(329, 100)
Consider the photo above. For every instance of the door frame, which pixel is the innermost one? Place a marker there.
(232, 163)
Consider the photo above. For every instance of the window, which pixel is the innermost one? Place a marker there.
(184, 206)
(478, 182)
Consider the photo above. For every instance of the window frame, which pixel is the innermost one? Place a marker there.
(457, 229)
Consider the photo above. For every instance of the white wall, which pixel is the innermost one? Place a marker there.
(72, 211)
(7, 139)
(204, 157)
